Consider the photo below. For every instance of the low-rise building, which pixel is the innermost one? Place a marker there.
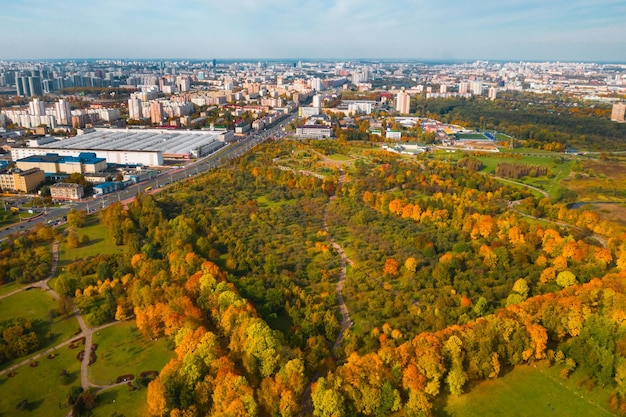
(314, 132)
(22, 180)
(393, 134)
(66, 191)
(107, 187)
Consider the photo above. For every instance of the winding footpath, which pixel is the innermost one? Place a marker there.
(306, 405)
(345, 314)
(85, 330)
(513, 204)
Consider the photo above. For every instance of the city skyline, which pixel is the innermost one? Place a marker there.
(275, 29)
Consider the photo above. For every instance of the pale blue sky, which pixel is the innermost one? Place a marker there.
(572, 30)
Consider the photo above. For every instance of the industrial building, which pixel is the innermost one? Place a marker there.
(52, 163)
(134, 147)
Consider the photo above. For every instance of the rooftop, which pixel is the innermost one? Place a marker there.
(165, 141)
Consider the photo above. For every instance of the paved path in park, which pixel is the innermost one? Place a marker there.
(85, 330)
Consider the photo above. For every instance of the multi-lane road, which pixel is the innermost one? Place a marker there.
(197, 167)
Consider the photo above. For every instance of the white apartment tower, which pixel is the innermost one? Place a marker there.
(316, 84)
(403, 102)
(63, 112)
(317, 102)
(37, 107)
(183, 84)
(463, 87)
(493, 92)
(135, 108)
(477, 87)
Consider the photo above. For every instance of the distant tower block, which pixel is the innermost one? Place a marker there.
(617, 114)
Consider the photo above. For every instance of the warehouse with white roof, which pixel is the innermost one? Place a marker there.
(134, 147)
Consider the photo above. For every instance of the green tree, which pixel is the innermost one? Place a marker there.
(566, 279)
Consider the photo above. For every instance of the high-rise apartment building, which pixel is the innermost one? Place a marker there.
(29, 86)
(63, 112)
(37, 107)
(617, 114)
(403, 102)
(477, 87)
(316, 84)
(156, 112)
(135, 111)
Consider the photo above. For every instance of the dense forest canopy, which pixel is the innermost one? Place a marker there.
(535, 119)
(446, 283)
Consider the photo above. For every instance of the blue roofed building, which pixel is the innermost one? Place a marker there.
(107, 187)
(52, 163)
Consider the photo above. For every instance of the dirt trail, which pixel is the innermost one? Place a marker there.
(306, 406)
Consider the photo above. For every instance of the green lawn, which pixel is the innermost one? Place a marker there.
(100, 243)
(41, 386)
(9, 287)
(528, 391)
(121, 400)
(122, 349)
(36, 304)
(339, 157)
(491, 162)
(31, 304)
(265, 202)
(7, 218)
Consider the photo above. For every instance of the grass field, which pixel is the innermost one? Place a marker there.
(31, 304)
(122, 349)
(41, 386)
(263, 201)
(600, 181)
(528, 391)
(339, 157)
(36, 304)
(7, 218)
(461, 136)
(121, 400)
(551, 184)
(100, 243)
(9, 287)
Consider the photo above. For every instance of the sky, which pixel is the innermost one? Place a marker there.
(532, 30)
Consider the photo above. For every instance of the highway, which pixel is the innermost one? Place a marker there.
(91, 205)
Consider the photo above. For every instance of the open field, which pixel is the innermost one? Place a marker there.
(35, 304)
(528, 391)
(265, 202)
(599, 181)
(339, 157)
(9, 287)
(30, 304)
(41, 386)
(99, 243)
(121, 400)
(122, 349)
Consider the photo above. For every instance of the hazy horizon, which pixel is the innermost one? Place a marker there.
(510, 30)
